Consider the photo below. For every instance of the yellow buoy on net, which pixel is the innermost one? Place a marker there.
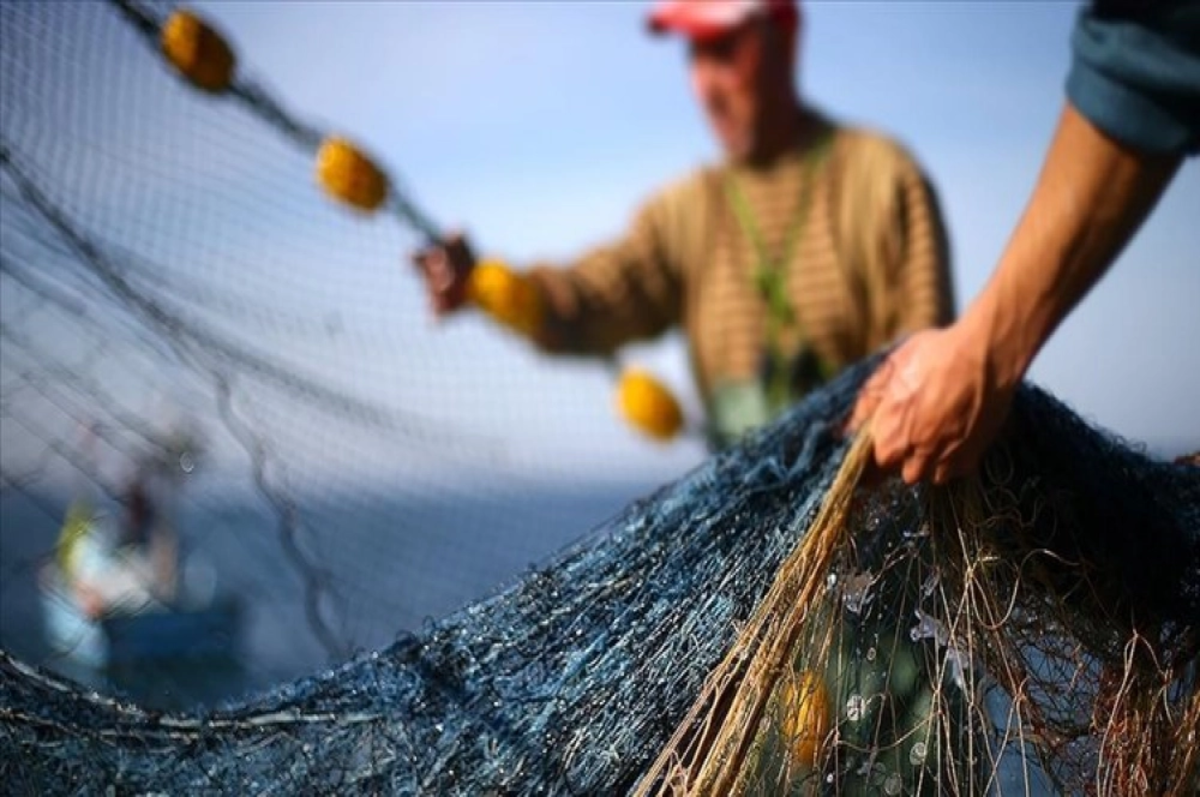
(349, 176)
(804, 705)
(506, 296)
(648, 405)
(197, 51)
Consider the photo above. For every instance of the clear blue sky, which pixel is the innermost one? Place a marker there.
(539, 126)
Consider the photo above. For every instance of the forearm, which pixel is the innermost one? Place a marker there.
(559, 329)
(1091, 197)
(577, 319)
(606, 299)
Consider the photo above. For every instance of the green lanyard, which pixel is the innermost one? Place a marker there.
(770, 276)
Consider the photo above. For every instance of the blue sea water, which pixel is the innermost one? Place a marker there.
(369, 569)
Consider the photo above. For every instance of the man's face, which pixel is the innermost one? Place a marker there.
(733, 77)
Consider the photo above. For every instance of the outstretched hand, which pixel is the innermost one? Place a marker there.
(937, 405)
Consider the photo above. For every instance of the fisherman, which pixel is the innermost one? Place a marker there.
(128, 563)
(810, 246)
(123, 567)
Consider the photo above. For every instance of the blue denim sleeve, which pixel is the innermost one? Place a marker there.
(1135, 73)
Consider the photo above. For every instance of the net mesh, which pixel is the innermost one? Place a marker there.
(1029, 629)
(167, 258)
(771, 623)
(938, 653)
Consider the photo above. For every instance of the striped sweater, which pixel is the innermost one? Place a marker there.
(869, 262)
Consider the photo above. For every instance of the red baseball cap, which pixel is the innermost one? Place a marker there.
(707, 19)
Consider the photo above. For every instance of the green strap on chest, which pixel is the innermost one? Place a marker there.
(770, 274)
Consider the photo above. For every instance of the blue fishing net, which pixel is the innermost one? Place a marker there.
(574, 679)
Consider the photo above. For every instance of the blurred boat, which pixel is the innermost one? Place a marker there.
(153, 633)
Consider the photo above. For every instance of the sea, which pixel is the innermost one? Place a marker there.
(341, 577)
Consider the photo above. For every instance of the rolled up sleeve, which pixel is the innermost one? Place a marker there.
(1135, 73)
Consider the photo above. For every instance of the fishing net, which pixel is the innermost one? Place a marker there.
(774, 622)
(1029, 629)
(170, 265)
(762, 626)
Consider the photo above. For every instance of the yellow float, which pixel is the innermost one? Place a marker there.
(197, 52)
(508, 297)
(348, 175)
(804, 707)
(648, 406)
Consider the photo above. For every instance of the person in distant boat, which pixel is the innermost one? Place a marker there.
(1132, 116)
(127, 564)
(810, 246)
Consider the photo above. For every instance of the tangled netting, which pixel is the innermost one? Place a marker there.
(1031, 630)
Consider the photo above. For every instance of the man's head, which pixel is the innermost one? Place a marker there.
(742, 60)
